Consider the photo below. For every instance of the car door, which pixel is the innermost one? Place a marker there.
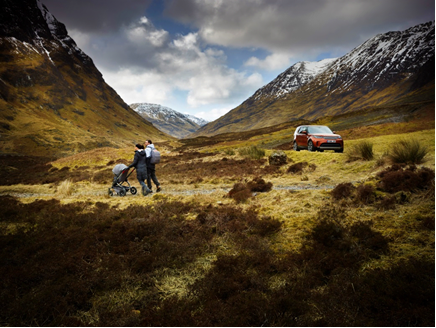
(302, 137)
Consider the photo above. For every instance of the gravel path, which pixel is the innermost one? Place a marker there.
(170, 192)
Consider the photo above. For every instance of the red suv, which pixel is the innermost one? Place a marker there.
(317, 137)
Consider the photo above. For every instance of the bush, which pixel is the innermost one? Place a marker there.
(397, 178)
(365, 193)
(343, 190)
(408, 152)
(362, 150)
(242, 191)
(252, 152)
(297, 168)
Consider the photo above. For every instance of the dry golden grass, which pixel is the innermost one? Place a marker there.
(295, 200)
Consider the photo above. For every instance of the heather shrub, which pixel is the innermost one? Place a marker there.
(242, 191)
(398, 178)
(297, 168)
(408, 151)
(343, 190)
(365, 193)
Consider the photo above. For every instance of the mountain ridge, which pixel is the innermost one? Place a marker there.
(384, 69)
(53, 100)
(169, 120)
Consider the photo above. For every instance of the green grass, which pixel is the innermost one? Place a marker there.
(252, 152)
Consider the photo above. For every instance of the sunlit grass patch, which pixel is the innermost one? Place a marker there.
(253, 152)
(65, 188)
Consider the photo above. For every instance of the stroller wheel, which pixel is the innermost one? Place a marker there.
(122, 192)
(133, 190)
(109, 192)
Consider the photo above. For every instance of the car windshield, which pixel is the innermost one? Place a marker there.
(319, 129)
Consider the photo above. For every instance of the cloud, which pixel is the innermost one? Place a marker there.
(299, 26)
(151, 67)
(213, 114)
(272, 62)
(96, 16)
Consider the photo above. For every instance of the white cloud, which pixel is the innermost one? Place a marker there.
(213, 114)
(146, 32)
(134, 88)
(153, 69)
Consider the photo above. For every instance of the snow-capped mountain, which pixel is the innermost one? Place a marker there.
(293, 78)
(168, 120)
(390, 69)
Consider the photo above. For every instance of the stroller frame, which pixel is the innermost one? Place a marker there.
(118, 185)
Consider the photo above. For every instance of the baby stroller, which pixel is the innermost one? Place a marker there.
(121, 173)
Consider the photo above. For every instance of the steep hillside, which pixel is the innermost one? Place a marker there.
(53, 100)
(168, 120)
(391, 69)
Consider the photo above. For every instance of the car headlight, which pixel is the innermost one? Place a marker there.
(317, 137)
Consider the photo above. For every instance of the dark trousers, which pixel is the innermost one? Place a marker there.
(151, 175)
(142, 176)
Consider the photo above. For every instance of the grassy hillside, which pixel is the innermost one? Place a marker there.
(325, 239)
(61, 105)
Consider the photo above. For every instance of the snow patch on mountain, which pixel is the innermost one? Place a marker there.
(294, 78)
(378, 61)
(156, 111)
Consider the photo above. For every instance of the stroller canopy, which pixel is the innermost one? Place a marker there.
(119, 168)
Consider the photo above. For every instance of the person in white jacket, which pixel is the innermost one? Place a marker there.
(151, 168)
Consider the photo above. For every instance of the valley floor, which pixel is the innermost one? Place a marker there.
(325, 239)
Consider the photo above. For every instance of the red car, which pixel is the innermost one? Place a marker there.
(317, 137)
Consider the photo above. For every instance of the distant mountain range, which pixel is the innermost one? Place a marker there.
(168, 120)
(390, 70)
(53, 100)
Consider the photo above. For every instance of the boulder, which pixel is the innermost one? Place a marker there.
(278, 158)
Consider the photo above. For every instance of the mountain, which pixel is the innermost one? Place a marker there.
(168, 120)
(53, 100)
(393, 71)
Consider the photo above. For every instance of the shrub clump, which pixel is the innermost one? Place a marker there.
(408, 152)
(362, 150)
(297, 168)
(397, 178)
(242, 191)
(343, 190)
(252, 152)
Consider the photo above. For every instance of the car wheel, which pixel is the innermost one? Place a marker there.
(339, 151)
(310, 146)
(295, 146)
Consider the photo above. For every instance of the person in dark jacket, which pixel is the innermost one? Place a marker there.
(151, 168)
(141, 168)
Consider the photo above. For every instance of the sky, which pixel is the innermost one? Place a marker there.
(206, 57)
